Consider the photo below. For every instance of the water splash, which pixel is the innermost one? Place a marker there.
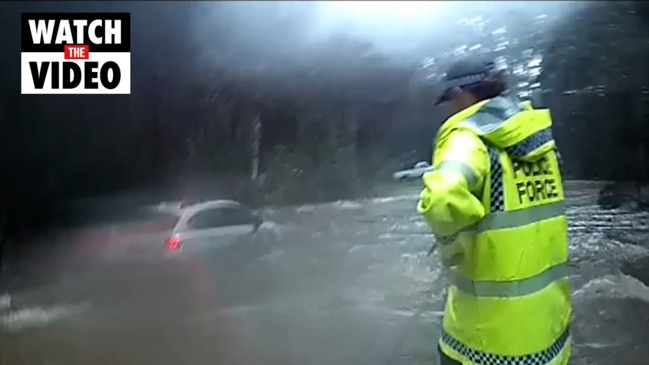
(5, 302)
(613, 287)
(30, 318)
(346, 204)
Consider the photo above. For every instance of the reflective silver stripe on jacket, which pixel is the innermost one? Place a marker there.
(517, 218)
(509, 289)
(543, 357)
(492, 115)
(520, 218)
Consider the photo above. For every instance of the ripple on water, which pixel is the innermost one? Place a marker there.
(346, 204)
(18, 320)
(394, 198)
(597, 245)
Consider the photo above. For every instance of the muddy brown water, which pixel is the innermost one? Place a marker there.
(349, 283)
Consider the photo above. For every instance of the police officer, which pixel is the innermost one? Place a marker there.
(505, 246)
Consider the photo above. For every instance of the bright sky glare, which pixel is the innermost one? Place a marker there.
(388, 22)
(402, 10)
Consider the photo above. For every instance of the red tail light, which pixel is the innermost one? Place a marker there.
(173, 244)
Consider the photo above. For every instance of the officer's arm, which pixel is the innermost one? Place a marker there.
(448, 202)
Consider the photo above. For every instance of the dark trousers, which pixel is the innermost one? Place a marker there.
(445, 360)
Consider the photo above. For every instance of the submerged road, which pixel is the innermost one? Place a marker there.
(349, 283)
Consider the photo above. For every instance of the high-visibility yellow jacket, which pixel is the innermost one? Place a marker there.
(495, 202)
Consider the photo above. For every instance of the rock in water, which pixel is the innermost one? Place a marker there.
(627, 195)
(638, 268)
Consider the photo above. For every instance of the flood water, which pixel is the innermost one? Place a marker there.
(349, 283)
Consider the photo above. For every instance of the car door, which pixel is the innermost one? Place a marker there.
(240, 221)
(207, 229)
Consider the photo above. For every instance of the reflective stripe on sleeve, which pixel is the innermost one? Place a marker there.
(462, 168)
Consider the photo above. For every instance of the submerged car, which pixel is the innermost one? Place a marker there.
(218, 225)
(175, 230)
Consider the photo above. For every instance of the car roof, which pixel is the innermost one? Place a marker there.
(177, 208)
(211, 205)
